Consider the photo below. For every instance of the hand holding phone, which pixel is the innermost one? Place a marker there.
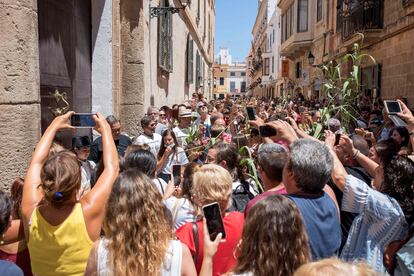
(214, 220)
(82, 120)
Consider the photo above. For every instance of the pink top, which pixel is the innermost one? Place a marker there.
(280, 191)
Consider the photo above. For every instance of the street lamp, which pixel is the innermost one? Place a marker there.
(159, 11)
(311, 58)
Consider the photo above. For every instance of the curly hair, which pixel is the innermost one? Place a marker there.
(136, 226)
(273, 227)
(398, 184)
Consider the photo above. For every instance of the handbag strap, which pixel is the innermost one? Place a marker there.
(196, 241)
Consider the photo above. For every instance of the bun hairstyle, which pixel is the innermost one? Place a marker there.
(61, 177)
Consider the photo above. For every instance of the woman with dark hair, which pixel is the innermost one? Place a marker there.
(59, 228)
(137, 237)
(17, 252)
(384, 213)
(6, 206)
(144, 161)
(400, 135)
(275, 224)
(170, 154)
(182, 206)
(81, 146)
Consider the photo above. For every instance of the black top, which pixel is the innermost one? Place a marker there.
(96, 149)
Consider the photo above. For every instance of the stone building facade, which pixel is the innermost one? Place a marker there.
(329, 32)
(95, 56)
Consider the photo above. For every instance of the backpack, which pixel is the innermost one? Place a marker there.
(240, 197)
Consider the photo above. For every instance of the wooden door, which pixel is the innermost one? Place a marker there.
(65, 57)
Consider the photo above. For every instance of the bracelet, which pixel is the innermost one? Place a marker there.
(356, 154)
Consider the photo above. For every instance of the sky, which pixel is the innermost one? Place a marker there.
(234, 24)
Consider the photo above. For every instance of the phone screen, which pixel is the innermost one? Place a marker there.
(177, 175)
(214, 220)
(393, 107)
(337, 138)
(251, 113)
(82, 120)
(266, 131)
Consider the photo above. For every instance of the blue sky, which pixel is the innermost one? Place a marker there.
(234, 23)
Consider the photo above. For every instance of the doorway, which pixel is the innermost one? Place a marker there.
(65, 59)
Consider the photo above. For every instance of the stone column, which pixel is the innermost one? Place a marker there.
(19, 87)
(131, 100)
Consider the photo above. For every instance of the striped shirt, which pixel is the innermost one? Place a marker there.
(380, 221)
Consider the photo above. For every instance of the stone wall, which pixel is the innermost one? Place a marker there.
(19, 87)
(396, 57)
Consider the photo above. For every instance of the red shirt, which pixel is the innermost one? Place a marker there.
(281, 191)
(225, 258)
(21, 259)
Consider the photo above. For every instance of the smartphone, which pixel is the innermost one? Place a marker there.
(393, 107)
(176, 175)
(82, 120)
(337, 138)
(214, 220)
(267, 131)
(251, 113)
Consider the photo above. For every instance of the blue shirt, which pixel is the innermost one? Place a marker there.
(380, 221)
(321, 219)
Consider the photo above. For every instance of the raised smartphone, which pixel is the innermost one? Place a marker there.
(267, 131)
(251, 113)
(393, 107)
(82, 120)
(214, 220)
(176, 175)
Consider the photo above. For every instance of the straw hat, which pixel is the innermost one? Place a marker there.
(184, 112)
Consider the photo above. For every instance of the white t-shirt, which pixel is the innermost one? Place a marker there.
(174, 159)
(153, 142)
(182, 211)
(160, 185)
(181, 136)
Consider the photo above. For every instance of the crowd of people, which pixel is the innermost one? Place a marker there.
(292, 203)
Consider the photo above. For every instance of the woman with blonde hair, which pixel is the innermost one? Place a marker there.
(213, 183)
(334, 266)
(137, 234)
(60, 230)
(274, 241)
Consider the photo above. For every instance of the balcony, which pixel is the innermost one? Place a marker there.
(364, 16)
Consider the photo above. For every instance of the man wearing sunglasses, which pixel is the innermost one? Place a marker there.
(149, 137)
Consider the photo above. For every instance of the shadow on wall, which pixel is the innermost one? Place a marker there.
(130, 12)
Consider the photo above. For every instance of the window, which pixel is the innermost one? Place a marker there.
(339, 15)
(288, 28)
(283, 28)
(266, 66)
(165, 55)
(232, 74)
(190, 60)
(302, 16)
(221, 81)
(273, 65)
(198, 70)
(243, 74)
(243, 86)
(291, 21)
(232, 86)
(318, 10)
(273, 41)
(198, 12)
(298, 70)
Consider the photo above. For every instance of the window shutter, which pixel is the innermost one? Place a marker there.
(197, 70)
(165, 55)
(170, 43)
(190, 58)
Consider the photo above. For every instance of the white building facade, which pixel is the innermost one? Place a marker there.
(236, 79)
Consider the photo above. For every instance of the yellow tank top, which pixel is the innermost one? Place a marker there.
(62, 249)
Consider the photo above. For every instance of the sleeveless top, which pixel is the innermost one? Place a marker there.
(62, 249)
(170, 267)
(321, 220)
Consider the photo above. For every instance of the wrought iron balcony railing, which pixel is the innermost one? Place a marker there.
(362, 15)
